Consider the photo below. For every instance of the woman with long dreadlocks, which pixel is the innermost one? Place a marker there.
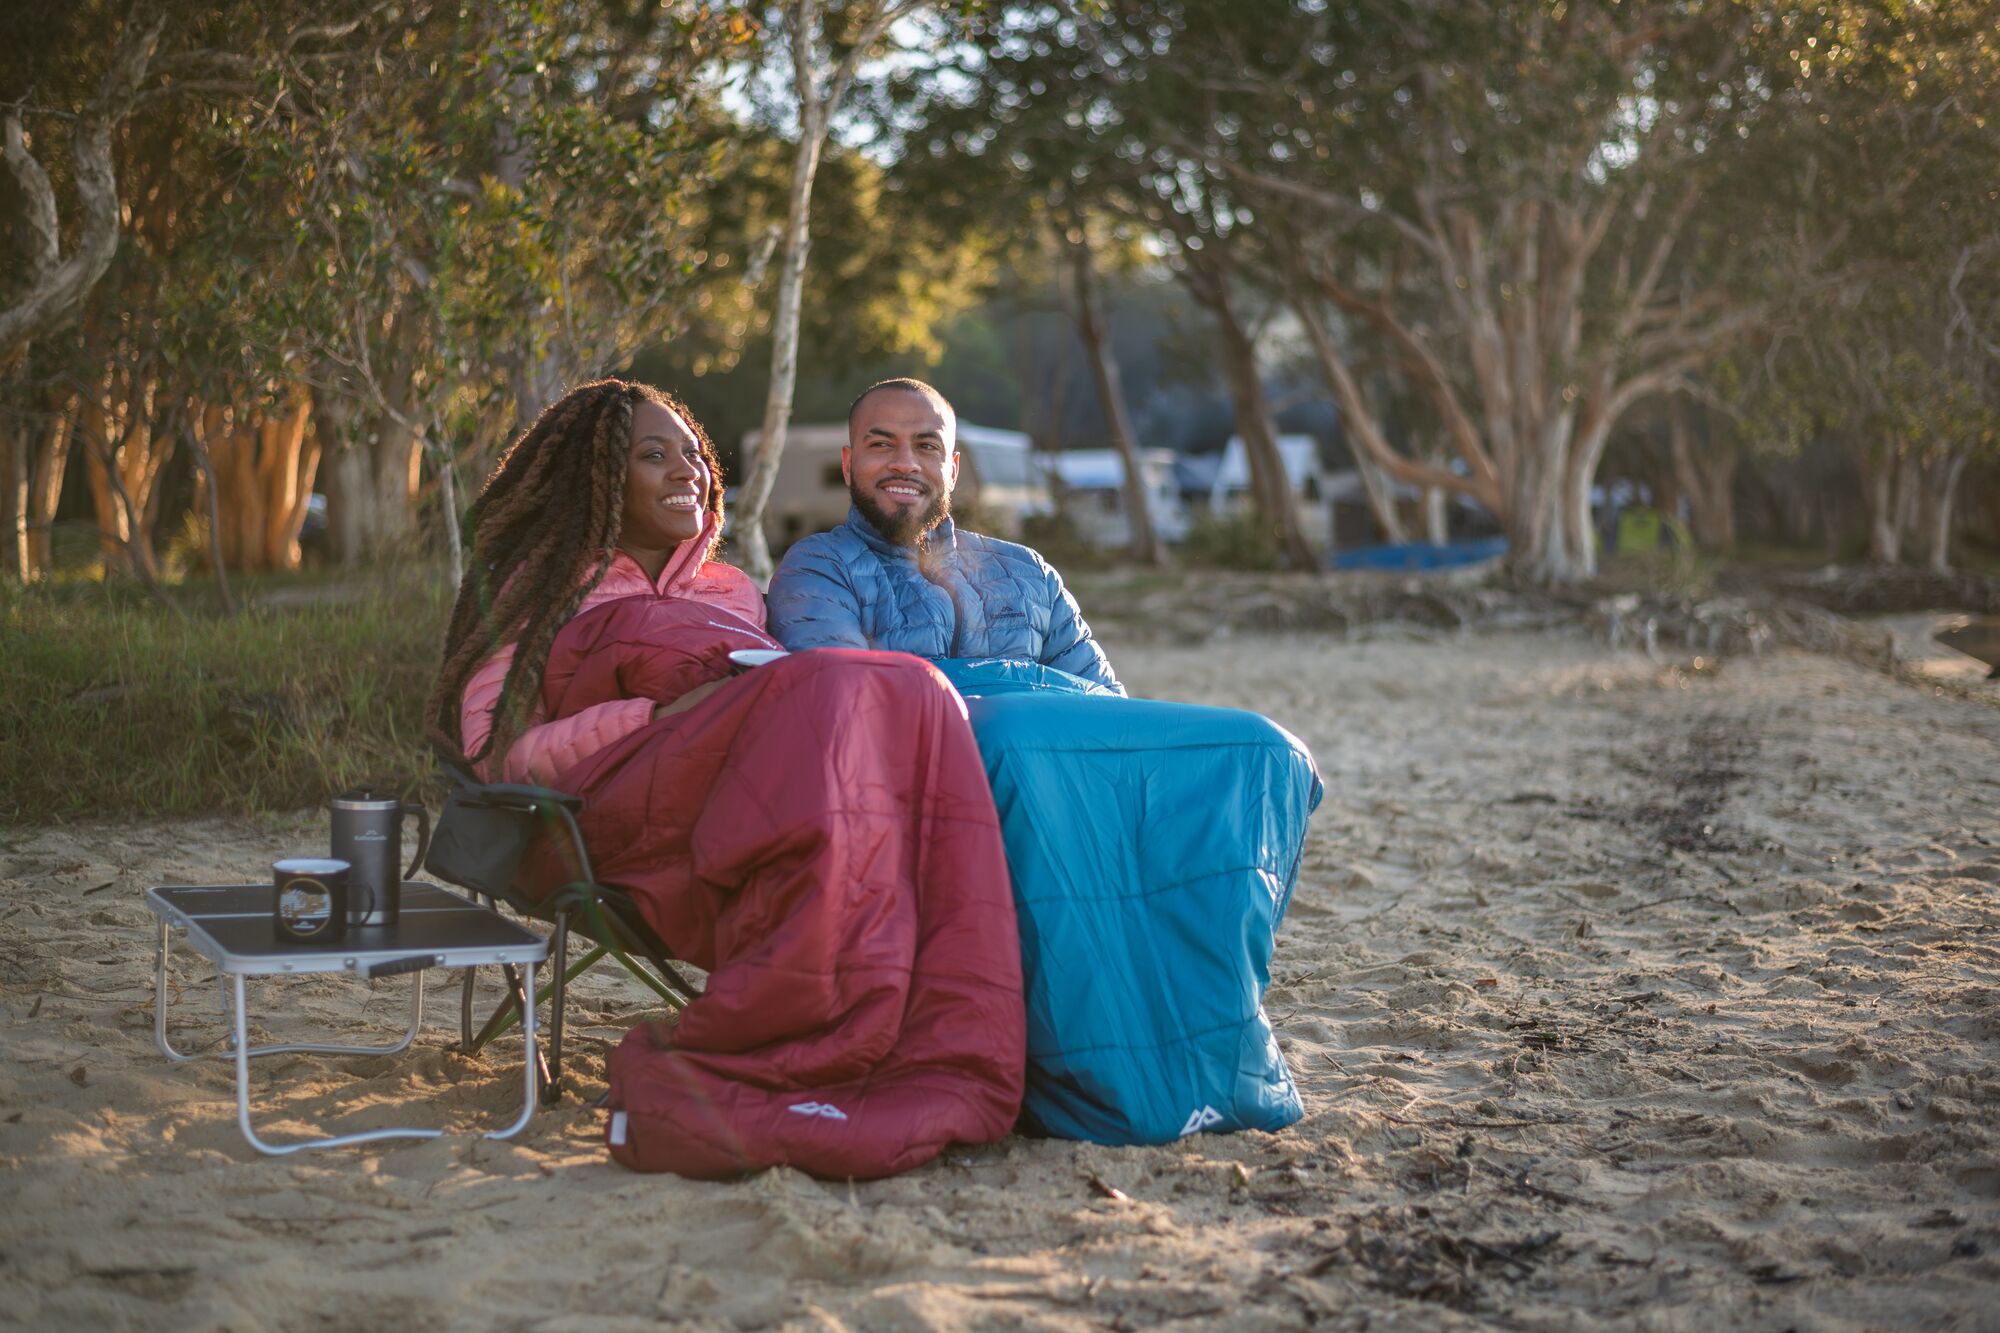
(816, 833)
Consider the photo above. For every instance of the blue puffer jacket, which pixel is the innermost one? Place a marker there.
(964, 596)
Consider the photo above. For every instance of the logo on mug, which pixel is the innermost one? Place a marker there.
(311, 899)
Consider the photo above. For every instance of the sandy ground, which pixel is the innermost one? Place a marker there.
(1615, 991)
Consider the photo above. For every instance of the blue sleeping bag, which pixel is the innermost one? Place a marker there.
(1153, 847)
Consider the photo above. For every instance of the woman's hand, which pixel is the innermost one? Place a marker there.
(688, 700)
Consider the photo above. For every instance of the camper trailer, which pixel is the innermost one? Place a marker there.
(997, 480)
(1090, 490)
(1303, 473)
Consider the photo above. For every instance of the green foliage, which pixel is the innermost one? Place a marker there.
(1238, 540)
(113, 706)
(492, 203)
(1056, 537)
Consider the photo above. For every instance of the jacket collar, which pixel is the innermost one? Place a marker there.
(941, 540)
(681, 567)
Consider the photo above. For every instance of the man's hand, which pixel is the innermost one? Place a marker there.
(688, 700)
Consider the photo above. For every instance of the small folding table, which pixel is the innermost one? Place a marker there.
(231, 926)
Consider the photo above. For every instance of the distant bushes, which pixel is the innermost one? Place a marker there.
(1232, 541)
(1056, 537)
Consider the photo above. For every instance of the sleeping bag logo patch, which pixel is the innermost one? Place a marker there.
(824, 1110)
(1200, 1120)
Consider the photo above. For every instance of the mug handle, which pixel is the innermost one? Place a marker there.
(423, 834)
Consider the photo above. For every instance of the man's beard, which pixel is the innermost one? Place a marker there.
(907, 525)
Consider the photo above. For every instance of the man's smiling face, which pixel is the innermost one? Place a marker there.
(901, 462)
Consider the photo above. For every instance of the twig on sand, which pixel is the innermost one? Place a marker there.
(1455, 1122)
(1680, 897)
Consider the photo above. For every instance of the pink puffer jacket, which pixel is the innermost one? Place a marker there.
(546, 749)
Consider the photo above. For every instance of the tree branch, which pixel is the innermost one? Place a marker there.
(58, 286)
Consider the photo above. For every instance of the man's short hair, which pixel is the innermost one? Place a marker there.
(905, 385)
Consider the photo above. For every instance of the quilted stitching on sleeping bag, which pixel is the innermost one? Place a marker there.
(1154, 848)
(818, 835)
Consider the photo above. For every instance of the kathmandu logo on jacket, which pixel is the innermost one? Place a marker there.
(824, 1110)
(1200, 1120)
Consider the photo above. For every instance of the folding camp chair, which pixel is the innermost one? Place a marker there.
(480, 838)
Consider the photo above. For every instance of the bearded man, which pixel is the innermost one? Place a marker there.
(900, 575)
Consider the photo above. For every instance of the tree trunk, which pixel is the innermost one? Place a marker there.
(1377, 485)
(454, 535)
(1909, 502)
(1269, 484)
(125, 457)
(1534, 519)
(1054, 436)
(1208, 281)
(396, 466)
(818, 104)
(1437, 517)
(288, 461)
(350, 526)
(371, 457)
(1883, 479)
(205, 489)
(51, 463)
(14, 446)
(57, 285)
(1437, 514)
(1146, 547)
(1938, 497)
(753, 552)
(1707, 478)
(1381, 492)
(1373, 455)
(264, 464)
(531, 364)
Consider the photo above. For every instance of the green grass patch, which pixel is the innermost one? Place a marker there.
(114, 706)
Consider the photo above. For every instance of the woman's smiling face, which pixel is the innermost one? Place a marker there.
(666, 480)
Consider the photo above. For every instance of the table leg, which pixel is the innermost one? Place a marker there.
(160, 1001)
(243, 1053)
(530, 1068)
(324, 1048)
(163, 947)
(240, 1027)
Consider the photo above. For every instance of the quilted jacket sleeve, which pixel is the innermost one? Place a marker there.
(1070, 646)
(812, 600)
(546, 749)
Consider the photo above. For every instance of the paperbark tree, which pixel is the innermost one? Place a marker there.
(36, 443)
(490, 207)
(124, 457)
(1212, 278)
(1705, 470)
(260, 459)
(1073, 237)
(57, 284)
(822, 70)
(1543, 211)
(1062, 103)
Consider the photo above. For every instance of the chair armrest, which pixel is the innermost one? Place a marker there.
(518, 796)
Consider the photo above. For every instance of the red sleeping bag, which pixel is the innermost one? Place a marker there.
(818, 835)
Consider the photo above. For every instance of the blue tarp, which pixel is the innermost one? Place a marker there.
(1418, 556)
(1154, 848)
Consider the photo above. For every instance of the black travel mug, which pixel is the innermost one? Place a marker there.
(368, 835)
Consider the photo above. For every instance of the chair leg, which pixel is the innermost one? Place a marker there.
(559, 954)
(519, 994)
(465, 1010)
